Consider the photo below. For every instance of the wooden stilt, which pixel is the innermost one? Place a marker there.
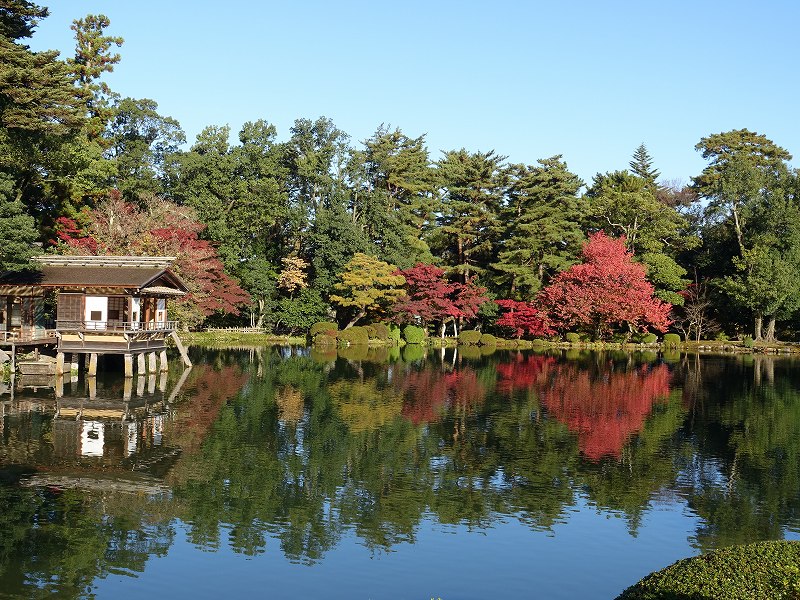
(151, 362)
(92, 387)
(128, 365)
(74, 364)
(127, 388)
(163, 361)
(93, 364)
(140, 366)
(181, 349)
(60, 363)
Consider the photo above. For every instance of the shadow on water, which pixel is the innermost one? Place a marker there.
(306, 448)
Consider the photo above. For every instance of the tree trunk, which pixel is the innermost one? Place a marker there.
(758, 324)
(355, 319)
(770, 335)
(441, 329)
(455, 328)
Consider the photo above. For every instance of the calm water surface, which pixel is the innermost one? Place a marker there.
(277, 473)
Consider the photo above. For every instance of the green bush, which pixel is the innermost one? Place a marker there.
(394, 334)
(747, 342)
(354, 336)
(487, 339)
(380, 331)
(649, 338)
(413, 352)
(324, 338)
(413, 334)
(573, 338)
(469, 337)
(761, 570)
(370, 331)
(722, 337)
(672, 340)
(321, 327)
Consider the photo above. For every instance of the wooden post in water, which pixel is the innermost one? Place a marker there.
(74, 364)
(151, 360)
(140, 366)
(60, 363)
(163, 361)
(93, 364)
(128, 365)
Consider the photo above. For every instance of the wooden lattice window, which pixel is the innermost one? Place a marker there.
(117, 306)
(70, 307)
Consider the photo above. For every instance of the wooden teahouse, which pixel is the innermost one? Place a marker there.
(101, 305)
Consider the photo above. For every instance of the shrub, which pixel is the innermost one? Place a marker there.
(573, 338)
(413, 334)
(394, 334)
(380, 331)
(672, 340)
(321, 327)
(324, 338)
(469, 337)
(413, 352)
(487, 339)
(649, 338)
(761, 570)
(747, 341)
(722, 337)
(354, 336)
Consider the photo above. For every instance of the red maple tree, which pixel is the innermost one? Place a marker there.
(158, 228)
(608, 289)
(433, 299)
(523, 318)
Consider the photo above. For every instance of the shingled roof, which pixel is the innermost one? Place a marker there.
(144, 274)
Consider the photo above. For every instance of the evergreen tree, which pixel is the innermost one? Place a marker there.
(642, 165)
(542, 227)
(17, 230)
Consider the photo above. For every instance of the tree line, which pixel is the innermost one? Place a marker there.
(267, 226)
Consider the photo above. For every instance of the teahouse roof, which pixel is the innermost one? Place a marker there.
(141, 274)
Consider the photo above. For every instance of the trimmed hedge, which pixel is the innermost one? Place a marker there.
(573, 338)
(672, 340)
(487, 339)
(354, 336)
(650, 338)
(394, 334)
(322, 327)
(469, 337)
(370, 331)
(413, 334)
(380, 331)
(761, 570)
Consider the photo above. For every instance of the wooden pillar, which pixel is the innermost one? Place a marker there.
(151, 360)
(92, 387)
(151, 384)
(93, 364)
(162, 382)
(59, 386)
(74, 365)
(164, 366)
(59, 363)
(128, 365)
(140, 368)
(140, 385)
(127, 388)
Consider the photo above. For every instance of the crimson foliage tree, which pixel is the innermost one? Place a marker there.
(523, 318)
(158, 228)
(433, 299)
(607, 290)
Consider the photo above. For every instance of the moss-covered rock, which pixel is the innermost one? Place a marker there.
(764, 570)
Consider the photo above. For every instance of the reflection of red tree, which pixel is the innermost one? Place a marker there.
(202, 402)
(523, 373)
(429, 394)
(604, 412)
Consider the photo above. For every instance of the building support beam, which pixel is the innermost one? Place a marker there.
(74, 365)
(151, 362)
(140, 366)
(59, 363)
(93, 364)
(163, 361)
(128, 365)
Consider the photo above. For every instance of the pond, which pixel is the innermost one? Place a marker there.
(283, 473)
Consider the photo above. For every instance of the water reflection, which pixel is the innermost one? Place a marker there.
(310, 448)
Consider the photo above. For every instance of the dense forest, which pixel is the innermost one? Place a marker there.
(281, 233)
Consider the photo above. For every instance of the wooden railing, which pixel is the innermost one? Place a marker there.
(27, 335)
(116, 326)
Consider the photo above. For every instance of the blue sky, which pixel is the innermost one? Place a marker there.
(590, 80)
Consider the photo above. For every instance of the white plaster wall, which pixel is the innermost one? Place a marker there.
(96, 303)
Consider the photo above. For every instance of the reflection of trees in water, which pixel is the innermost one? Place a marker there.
(744, 476)
(307, 451)
(604, 409)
